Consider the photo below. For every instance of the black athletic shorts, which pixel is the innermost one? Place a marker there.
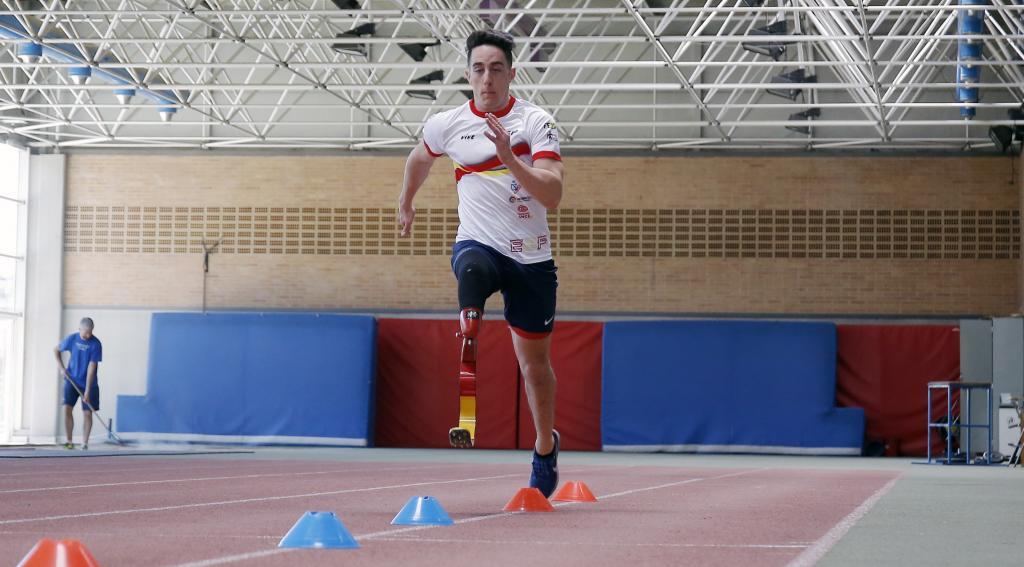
(528, 289)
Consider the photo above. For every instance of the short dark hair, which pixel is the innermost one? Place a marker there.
(499, 39)
(87, 323)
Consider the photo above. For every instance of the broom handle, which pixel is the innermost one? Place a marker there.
(85, 403)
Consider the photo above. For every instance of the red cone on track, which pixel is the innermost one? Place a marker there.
(65, 553)
(574, 491)
(528, 500)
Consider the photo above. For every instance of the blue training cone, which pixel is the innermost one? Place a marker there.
(319, 530)
(422, 511)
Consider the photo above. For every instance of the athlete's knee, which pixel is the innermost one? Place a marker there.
(477, 277)
(474, 266)
(537, 371)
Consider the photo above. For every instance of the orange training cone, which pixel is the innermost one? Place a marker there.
(528, 500)
(574, 491)
(66, 553)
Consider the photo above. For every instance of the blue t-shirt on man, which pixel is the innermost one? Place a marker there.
(82, 352)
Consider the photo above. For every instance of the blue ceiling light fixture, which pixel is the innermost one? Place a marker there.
(30, 52)
(969, 52)
(167, 113)
(79, 75)
(124, 96)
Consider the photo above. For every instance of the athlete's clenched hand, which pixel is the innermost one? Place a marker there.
(500, 137)
(406, 213)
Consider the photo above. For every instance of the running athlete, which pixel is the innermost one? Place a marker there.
(508, 171)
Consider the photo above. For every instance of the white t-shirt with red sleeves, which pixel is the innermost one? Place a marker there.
(494, 209)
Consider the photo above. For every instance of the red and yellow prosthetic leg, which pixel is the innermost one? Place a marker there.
(465, 434)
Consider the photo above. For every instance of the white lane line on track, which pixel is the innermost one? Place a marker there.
(385, 533)
(137, 535)
(235, 558)
(168, 465)
(601, 543)
(107, 468)
(815, 552)
(209, 478)
(562, 504)
(789, 545)
(244, 500)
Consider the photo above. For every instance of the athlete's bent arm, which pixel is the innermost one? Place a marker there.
(543, 181)
(417, 168)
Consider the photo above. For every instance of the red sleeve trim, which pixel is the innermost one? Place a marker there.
(430, 151)
(547, 155)
(528, 334)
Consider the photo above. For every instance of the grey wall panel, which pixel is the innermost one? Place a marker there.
(1007, 359)
(976, 366)
(1008, 355)
(976, 350)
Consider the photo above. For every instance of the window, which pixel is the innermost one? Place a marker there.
(12, 275)
(9, 258)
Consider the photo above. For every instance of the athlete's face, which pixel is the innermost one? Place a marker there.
(490, 75)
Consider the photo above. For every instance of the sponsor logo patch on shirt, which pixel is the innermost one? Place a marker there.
(528, 244)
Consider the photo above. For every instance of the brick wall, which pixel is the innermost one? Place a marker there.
(667, 234)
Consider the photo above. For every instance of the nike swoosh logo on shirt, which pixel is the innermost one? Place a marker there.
(548, 321)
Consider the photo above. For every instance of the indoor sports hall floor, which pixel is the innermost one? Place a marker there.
(233, 508)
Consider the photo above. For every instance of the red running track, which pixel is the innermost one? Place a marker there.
(176, 511)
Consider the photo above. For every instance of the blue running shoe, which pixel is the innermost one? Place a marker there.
(545, 470)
